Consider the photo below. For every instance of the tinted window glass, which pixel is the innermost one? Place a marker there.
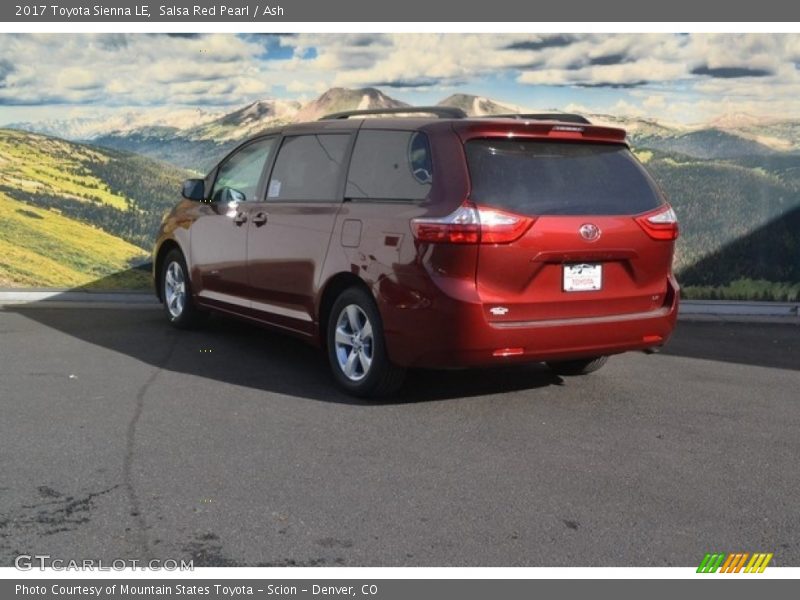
(308, 167)
(242, 171)
(390, 165)
(559, 178)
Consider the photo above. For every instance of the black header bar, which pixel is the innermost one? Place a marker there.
(469, 11)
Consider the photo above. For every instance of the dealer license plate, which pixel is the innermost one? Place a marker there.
(583, 277)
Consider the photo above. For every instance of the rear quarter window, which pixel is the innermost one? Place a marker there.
(559, 178)
(390, 165)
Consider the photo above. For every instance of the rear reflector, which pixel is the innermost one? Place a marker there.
(652, 339)
(660, 224)
(508, 352)
(472, 224)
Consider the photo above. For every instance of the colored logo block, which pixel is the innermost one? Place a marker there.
(734, 562)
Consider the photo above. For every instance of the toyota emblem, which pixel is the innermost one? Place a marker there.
(590, 232)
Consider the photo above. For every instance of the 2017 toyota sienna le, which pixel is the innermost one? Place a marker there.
(429, 239)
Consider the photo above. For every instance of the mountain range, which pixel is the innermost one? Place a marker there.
(198, 147)
(735, 183)
(88, 128)
(195, 138)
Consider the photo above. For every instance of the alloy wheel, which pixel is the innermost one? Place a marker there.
(354, 342)
(175, 289)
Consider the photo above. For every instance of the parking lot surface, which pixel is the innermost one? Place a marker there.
(121, 437)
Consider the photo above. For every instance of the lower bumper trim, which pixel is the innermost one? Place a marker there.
(653, 314)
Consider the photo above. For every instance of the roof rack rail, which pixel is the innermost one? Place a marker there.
(442, 112)
(563, 117)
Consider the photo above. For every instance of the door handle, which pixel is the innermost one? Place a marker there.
(260, 218)
(240, 218)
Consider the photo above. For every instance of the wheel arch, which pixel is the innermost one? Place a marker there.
(331, 290)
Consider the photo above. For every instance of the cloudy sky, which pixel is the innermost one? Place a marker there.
(674, 77)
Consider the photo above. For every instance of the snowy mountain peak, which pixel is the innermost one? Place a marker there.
(342, 99)
(477, 106)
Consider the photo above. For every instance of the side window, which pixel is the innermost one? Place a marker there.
(390, 165)
(308, 167)
(238, 177)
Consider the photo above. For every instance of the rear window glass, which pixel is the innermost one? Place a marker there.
(390, 165)
(559, 178)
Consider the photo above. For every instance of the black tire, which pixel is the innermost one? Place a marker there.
(189, 315)
(581, 366)
(381, 377)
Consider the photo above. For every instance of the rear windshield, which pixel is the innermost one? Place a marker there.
(559, 178)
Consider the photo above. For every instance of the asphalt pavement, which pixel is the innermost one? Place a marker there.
(121, 437)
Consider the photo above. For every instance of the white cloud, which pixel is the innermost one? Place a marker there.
(655, 102)
(622, 107)
(128, 69)
(628, 74)
(78, 78)
(650, 74)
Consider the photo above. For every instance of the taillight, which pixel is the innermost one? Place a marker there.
(459, 227)
(501, 227)
(660, 224)
(472, 224)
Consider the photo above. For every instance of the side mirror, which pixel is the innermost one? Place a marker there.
(194, 189)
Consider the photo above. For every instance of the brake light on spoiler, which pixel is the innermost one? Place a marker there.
(472, 224)
(532, 129)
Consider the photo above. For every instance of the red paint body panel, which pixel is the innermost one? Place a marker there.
(285, 257)
(435, 300)
(455, 333)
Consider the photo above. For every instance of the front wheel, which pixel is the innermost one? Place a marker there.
(176, 292)
(357, 349)
(581, 366)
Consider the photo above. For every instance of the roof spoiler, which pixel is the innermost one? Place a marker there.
(562, 117)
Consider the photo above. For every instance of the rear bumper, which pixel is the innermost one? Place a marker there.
(458, 335)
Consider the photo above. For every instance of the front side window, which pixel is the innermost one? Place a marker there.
(239, 175)
(308, 168)
(390, 165)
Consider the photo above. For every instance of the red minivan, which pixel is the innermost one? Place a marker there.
(424, 238)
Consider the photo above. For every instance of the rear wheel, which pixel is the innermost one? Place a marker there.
(176, 292)
(580, 366)
(357, 349)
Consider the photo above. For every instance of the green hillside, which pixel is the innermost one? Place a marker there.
(41, 248)
(735, 241)
(171, 146)
(72, 213)
(707, 143)
(41, 165)
(720, 201)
